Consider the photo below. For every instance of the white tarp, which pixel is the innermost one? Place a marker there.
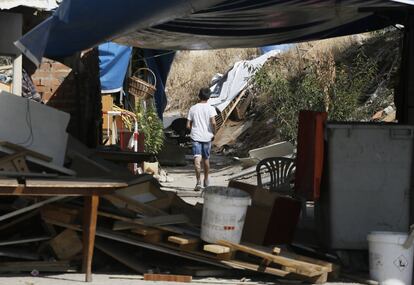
(38, 4)
(237, 79)
(409, 2)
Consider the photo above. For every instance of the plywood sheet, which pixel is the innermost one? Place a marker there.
(35, 126)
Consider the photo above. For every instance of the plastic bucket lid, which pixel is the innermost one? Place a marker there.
(388, 237)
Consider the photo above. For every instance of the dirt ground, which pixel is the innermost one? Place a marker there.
(184, 181)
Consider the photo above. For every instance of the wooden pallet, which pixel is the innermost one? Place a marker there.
(303, 268)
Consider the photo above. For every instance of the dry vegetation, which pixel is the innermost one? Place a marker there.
(351, 78)
(193, 70)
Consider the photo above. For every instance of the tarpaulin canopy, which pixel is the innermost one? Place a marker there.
(197, 24)
(113, 65)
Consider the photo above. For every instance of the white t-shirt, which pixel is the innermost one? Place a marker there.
(199, 115)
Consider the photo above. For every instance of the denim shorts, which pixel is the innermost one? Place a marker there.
(202, 149)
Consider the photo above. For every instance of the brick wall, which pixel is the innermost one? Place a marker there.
(76, 92)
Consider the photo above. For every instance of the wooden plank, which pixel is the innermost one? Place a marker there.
(185, 243)
(152, 221)
(11, 157)
(165, 220)
(135, 221)
(294, 266)
(215, 248)
(30, 208)
(220, 252)
(24, 240)
(39, 187)
(183, 240)
(167, 278)
(14, 162)
(119, 253)
(19, 219)
(320, 279)
(8, 183)
(328, 265)
(148, 234)
(20, 164)
(19, 252)
(74, 183)
(237, 264)
(133, 205)
(66, 245)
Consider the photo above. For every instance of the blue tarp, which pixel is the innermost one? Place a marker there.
(160, 62)
(113, 65)
(198, 24)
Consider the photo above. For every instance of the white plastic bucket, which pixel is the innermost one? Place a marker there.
(389, 262)
(224, 212)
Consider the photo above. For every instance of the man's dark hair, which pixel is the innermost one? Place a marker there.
(204, 94)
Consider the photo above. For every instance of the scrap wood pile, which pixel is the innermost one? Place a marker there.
(138, 219)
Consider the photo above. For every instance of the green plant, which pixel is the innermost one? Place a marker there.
(320, 85)
(150, 125)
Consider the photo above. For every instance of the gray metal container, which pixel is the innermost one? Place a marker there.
(366, 183)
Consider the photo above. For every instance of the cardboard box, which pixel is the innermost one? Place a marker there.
(271, 219)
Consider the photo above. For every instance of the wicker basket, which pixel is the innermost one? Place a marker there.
(141, 88)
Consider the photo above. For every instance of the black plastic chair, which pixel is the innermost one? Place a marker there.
(281, 173)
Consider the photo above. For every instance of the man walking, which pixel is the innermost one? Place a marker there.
(202, 124)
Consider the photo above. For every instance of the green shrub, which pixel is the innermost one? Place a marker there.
(322, 85)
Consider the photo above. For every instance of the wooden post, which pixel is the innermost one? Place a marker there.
(89, 229)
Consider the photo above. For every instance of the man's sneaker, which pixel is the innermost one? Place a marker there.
(206, 182)
(198, 186)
